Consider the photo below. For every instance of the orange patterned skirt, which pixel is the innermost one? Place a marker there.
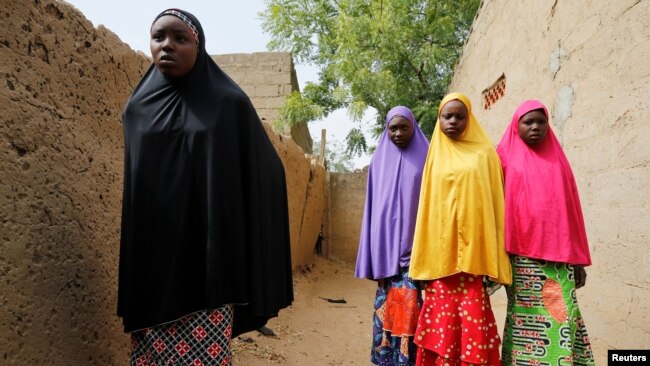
(456, 325)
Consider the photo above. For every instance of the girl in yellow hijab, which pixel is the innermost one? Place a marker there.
(459, 241)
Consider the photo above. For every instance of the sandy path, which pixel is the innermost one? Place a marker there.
(314, 331)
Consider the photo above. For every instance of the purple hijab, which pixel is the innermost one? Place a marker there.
(392, 196)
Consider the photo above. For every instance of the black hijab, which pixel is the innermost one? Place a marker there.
(204, 212)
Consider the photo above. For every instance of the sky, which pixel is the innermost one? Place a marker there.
(232, 28)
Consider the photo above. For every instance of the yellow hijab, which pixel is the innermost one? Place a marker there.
(460, 221)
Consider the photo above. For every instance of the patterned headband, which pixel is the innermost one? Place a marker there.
(185, 20)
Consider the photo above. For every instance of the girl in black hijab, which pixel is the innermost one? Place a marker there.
(205, 252)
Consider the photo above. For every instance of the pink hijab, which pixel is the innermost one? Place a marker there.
(543, 214)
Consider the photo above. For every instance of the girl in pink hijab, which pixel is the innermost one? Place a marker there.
(547, 242)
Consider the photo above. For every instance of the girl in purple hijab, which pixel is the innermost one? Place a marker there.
(387, 236)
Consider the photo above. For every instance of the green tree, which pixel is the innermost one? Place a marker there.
(337, 158)
(370, 53)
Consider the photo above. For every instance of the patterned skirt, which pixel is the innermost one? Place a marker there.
(456, 325)
(198, 339)
(397, 305)
(543, 323)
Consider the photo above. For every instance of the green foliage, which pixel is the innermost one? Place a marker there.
(337, 159)
(296, 109)
(371, 53)
(356, 143)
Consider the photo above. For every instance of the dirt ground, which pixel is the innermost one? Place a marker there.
(314, 331)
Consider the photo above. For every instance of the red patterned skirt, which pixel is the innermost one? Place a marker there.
(198, 339)
(456, 325)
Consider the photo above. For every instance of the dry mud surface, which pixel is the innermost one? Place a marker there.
(315, 331)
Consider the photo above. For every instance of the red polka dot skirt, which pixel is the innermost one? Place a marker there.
(456, 325)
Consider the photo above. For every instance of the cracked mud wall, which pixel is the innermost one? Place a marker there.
(63, 89)
(65, 84)
(588, 61)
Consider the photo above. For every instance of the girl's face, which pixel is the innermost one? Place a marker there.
(400, 131)
(533, 127)
(173, 47)
(453, 119)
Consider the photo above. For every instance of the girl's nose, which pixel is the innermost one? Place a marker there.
(166, 44)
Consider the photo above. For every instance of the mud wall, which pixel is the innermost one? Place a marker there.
(588, 62)
(348, 197)
(306, 192)
(64, 86)
(267, 78)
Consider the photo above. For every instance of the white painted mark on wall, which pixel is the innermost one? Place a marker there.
(558, 55)
(562, 110)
